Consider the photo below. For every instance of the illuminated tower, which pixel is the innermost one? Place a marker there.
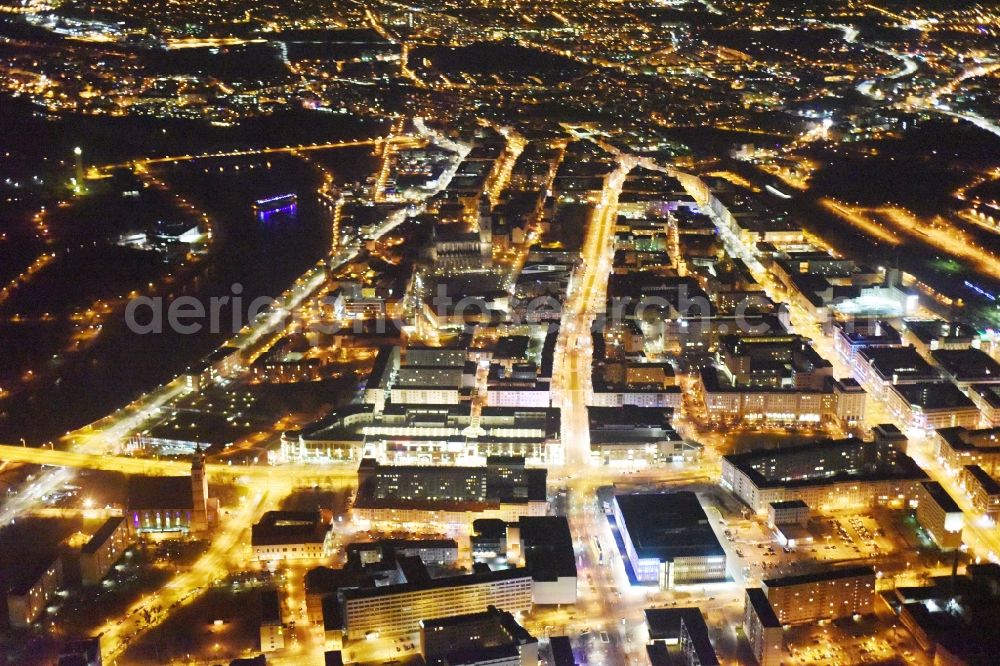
(78, 168)
(199, 493)
(486, 229)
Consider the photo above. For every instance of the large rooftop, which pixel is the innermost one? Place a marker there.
(441, 488)
(825, 461)
(160, 492)
(667, 525)
(941, 497)
(934, 395)
(968, 365)
(279, 527)
(548, 547)
(821, 576)
(897, 363)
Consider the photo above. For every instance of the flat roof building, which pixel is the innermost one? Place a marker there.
(932, 405)
(290, 535)
(787, 512)
(668, 539)
(939, 515)
(828, 474)
(105, 547)
(823, 595)
(504, 489)
(28, 598)
(685, 628)
(81, 652)
(967, 366)
(461, 638)
(762, 628)
(984, 490)
(443, 552)
(931, 334)
(427, 434)
(562, 651)
(392, 610)
(958, 447)
(840, 401)
(272, 629)
(850, 337)
(546, 547)
(877, 368)
(632, 436)
(987, 398)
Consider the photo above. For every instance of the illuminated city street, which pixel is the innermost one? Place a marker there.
(549, 333)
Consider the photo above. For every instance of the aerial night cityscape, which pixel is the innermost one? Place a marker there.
(500, 333)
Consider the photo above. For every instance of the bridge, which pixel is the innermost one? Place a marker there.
(301, 475)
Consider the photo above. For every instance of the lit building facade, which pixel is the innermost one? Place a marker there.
(392, 610)
(668, 539)
(762, 628)
(831, 474)
(939, 515)
(984, 490)
(27, 600)
(103, 550)
(825, 595)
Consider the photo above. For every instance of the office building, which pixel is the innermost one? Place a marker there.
(958, 447)
(939, 515)
(392, 610)
(668, 539)
(932, 405)
(986, 397)
(441, 552)
(636, 436)
(965, 367)
(878, 368)
(984, 490)
(829, 474)
(788, 512)
(762, 628)
(433, 376)
(824, 595)
(776, 361)
(428, 434)
(504, 489)
(929, 335)
(544, 546)
(852, 336)
(493, 636)
(290, 535)
(103, 550)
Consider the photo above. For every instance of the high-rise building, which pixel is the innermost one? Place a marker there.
(823, 595)
(762, 628)
(392, 610)
(939, 515)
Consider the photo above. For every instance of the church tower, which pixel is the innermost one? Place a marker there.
(486, 229)
(199, 493)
